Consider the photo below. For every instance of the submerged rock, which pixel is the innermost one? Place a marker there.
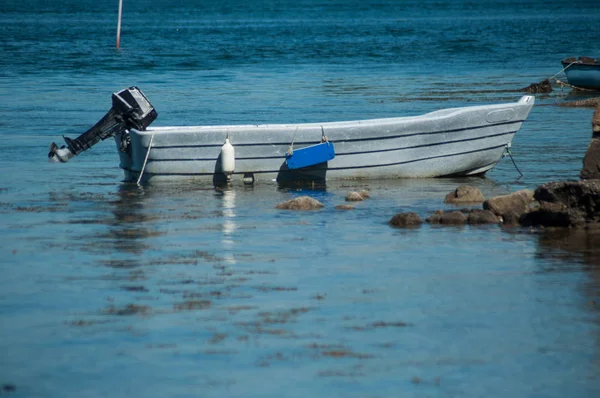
(300, 203)
(538, 88)
(344, 207)
(450, 218)
(364, 193)
(510, 219)
(465, 194)
(552, 215)
(479, 216)
(405, 220)
(585, 103)
(8, 387)
(129, 309)
(354, 197)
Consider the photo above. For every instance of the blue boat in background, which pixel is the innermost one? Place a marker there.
(583, 72)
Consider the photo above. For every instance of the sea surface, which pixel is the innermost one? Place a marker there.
(109, 289)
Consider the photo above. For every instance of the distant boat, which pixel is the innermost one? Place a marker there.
(583, 72)
(466, 141)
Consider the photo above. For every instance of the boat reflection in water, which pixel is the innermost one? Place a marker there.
(229, 226)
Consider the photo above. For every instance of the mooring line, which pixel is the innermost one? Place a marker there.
(513, 160)
(145, 160)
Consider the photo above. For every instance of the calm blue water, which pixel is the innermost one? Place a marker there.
(109, 289)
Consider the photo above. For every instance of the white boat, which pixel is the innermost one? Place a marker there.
(463, 141)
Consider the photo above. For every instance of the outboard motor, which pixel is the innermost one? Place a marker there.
(130, 109)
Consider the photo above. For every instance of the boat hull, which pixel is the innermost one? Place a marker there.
(583, 74)
(451, 142)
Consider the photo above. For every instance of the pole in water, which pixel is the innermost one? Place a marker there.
(119, 24)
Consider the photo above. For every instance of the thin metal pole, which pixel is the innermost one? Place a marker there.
(119, 24)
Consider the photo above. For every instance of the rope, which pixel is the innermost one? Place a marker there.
(290, 150)
(323, 136)
(565, 68)
(513, 161)
(564, 84)
(146, 160)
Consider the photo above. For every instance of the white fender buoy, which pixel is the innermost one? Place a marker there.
(227, 158)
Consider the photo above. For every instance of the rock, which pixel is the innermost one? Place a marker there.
(516, 202)
(565, 204)
(465, 194)
(300, 203)
(591, 161)
(344, 207)
(478, 216)
(596, 121)
(451, 218)
(435, 217)
(405, 220)
(583, 196)
(585, 103)
(552, 215)
(454, 217)
(542, 87)
(510, 219)
(354, 197)
(365, 194)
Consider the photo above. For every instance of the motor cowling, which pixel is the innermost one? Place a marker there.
(130, 109)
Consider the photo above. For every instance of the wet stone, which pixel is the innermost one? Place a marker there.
(465, 194)
(405, 220)
(478, 216)
(300, 203)
(553, 214)
(365, 194)
(551, 218)
(450, 218)
(354, 197)
(510, 218)
(542, 87)
(591, 161)
(596, 121)
(584, 103)
(517, 202)
(574, 203)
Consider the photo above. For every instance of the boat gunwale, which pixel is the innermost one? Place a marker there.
(433, 116)
(581, 61)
